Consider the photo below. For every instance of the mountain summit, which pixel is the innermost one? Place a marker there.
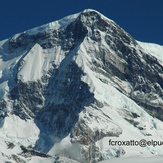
(69, 87)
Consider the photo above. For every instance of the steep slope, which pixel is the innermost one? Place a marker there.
(70, 86)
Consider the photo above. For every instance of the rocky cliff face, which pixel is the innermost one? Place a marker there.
(78, 84)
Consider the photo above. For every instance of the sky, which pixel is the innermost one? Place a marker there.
(143, 19)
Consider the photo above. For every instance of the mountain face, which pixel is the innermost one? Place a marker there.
(68, 87)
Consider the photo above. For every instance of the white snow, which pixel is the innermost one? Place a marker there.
(153, 49)
(36, 159)
(4, 89)
(63, 144)
(135, 159)
(54, 25)
(32, 68)
(20, 131)
(37, 62)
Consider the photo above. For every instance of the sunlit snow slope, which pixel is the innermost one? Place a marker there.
(154, 49)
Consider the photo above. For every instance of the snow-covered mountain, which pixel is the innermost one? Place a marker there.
(69, 87)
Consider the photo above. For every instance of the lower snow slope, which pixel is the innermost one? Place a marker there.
(135, 159)
(118, 114)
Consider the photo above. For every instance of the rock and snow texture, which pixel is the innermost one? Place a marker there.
(68, 87)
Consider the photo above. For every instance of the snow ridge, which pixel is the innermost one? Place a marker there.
(153, 49)
(53, 25)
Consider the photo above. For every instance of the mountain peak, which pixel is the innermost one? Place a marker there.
(70, 86)
(59, 23)
(90, 10)
(64, 22)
